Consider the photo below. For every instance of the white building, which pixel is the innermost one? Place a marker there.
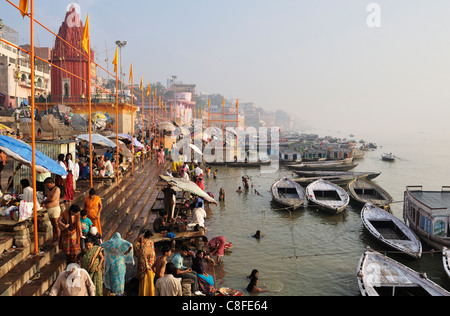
(15, 71)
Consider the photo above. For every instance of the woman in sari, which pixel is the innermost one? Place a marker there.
(70, 225)
(92, 261)
(69, 190)
(217, 247)
(144, 250)
(160, 156)
(93, 206)
(118, 252)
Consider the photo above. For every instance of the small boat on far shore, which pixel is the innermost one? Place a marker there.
(243, 164)
(328, 196)
(288, 193)
(390, 230)
(388, 157)
(379, 275)
(354, 174)
(322, 166)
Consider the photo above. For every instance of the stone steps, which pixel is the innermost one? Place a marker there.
(126, 208)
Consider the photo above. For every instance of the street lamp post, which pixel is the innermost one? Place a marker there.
(120, 45)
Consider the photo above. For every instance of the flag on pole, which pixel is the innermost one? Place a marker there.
(237, 103)
(115, 61)
(148, 89)
(23, 6)
(142, 84)
(131, 73)
(85, 41)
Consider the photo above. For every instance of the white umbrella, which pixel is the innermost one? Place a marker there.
(167, 126)
(99, 140)
(196, 149)
(188, 186)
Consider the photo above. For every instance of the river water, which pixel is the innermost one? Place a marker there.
(307, 252)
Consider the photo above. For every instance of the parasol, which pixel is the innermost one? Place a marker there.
(127, 137)
(22, 152)
(123, 150)
(196, 149)
(167, 126)
(99, 140)
(188, 186)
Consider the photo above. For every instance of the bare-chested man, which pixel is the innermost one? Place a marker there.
(159, 267)
(51, 203)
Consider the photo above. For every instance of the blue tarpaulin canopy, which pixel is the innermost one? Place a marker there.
(22, 152)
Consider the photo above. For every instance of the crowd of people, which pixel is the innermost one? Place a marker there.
(96, 267)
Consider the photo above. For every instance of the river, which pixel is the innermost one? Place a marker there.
(307, 252)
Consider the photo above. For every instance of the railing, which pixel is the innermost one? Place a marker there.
(82, 99)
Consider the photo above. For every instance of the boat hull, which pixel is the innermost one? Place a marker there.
(379, 275)
(364, 191)
(327, 196)
(288, 194)
(390, 231)
(446, 261)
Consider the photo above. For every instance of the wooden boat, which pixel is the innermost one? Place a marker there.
(288, 193)
(388, 156)
(390, 230)
(242, 164)
(323, 167)
(446, 260)
(342, 180)
(428, 214)
(364, 191)
(328, 196)
(355, 174)
(379, 275)
(249, 164)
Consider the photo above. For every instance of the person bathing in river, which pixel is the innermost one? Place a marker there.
(217, 247)
(253, 286)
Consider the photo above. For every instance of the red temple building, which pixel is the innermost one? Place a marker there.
(68, 88)
(69, 75)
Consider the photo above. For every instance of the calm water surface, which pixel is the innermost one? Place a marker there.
(307, 252)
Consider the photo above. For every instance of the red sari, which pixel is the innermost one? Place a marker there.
(70, 237)
(69, 192)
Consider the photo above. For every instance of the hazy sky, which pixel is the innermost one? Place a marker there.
(316, 59)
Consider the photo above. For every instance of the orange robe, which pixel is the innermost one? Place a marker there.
(92, 208)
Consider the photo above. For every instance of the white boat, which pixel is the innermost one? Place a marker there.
(288, 193)
(327, 196)
(379, 275)
(446, 260)
(388, 156)
(390, 230)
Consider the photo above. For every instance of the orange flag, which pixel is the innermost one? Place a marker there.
(142, 84)
(148, 89)
(131, 73)
(85, 41)
(23, 6)
(115, 61)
